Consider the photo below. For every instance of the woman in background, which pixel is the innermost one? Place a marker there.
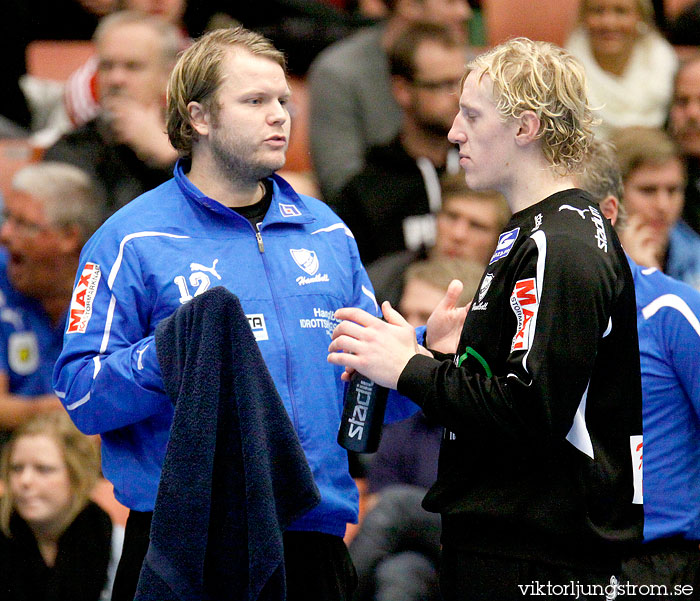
(55, 544)
(629, 66)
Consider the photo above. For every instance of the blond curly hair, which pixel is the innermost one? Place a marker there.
(543, 78)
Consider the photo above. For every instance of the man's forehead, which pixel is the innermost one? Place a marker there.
(239, 63)
(477, 89)
(28, 204)
(20, 197)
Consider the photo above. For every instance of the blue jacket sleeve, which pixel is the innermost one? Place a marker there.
(107, 375)
(681, 334)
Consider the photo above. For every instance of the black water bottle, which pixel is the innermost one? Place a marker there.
(363, 415)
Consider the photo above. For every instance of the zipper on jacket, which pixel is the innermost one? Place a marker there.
(285, 338)
(258, 236)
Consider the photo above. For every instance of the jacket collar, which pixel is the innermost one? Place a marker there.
(286, 206)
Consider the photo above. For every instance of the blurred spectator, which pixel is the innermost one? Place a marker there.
(426, 283)
(390, 205)
(24, 21)
(54, 542)
(469, 233)
(629, 65)
(668, 322)
(653, 173)
(352, 107)
(126, 149)
(301, 28)
(467, 227)
(50, 212)
(684, 125)
(80, 94)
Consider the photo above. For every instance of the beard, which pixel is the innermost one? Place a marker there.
(237, 160)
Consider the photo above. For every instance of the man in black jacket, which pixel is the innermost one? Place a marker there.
(539, 391)
(391, 204)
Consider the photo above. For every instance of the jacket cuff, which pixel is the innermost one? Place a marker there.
(416, 376)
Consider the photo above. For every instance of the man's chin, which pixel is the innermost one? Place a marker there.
(272, 167)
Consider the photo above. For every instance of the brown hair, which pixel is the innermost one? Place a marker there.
(638, 145)
(440, 271)
(402, 53)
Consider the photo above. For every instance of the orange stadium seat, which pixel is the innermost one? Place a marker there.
(546, 20)
(298, 154)
(103, 495)
(57, 59)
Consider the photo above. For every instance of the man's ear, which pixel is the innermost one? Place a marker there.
(610, 207)
(199, 118)
(528, 125)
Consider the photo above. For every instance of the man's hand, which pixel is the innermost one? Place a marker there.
(142, 128)
(642, 243)
(377, 349)
(446, 321)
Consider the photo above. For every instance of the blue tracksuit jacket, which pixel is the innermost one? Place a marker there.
(161, 250)
(668, 322)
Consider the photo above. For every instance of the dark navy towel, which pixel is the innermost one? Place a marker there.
(234, 475)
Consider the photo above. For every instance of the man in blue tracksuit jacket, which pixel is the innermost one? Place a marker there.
(668, 324)
(223, 220)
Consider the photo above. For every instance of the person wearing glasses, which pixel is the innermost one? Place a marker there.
(50, 211)
(391, 204)
(350, 89)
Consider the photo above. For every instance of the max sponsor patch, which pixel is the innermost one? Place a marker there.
(505, 243)
(83, 296)
(524, 303)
